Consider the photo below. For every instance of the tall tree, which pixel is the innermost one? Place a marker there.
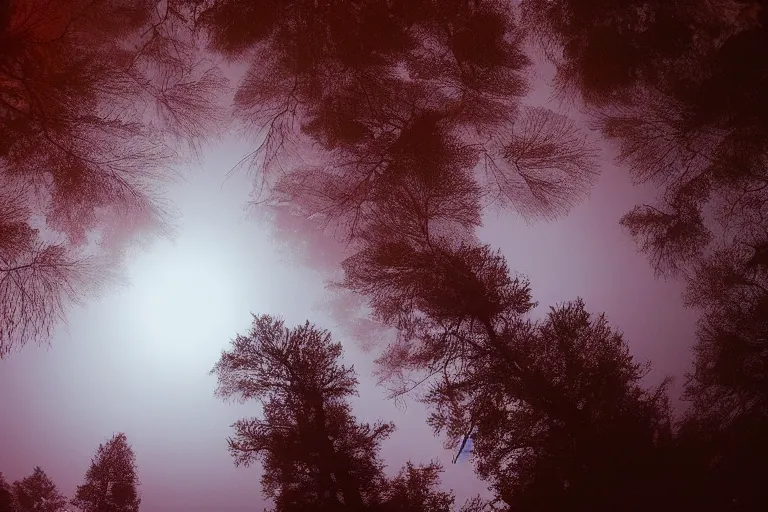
(315, 455)
(95, 98)
(555, 409)
(689, 115)
(8, 501)
(38, 493)
(728, 384)
(314, 452)
(111, 483)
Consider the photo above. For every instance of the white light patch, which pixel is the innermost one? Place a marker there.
(184, 302)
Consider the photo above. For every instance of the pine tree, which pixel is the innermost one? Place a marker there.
(111, 481)
(37, 492)
(8, 501)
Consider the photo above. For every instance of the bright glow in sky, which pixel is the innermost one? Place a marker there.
(184, 296)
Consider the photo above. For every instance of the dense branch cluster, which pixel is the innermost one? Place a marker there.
(94, 98)
(679, 93)
(359, 103)
(315, 455)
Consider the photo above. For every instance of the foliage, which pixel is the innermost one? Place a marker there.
(94, 99)
(315, 455)
(392, 125)
(37, 492)
(555, 409)
(111, 482)
(8, 501)
(414, 489)
(313, 451)
(357, 105)
(676, 86)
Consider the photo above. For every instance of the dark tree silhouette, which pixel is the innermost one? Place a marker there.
(731, 352)
(679, 90)
(713, 182)
(111, 483)
(408, 140)
(8, 501)
(555, 408)
(728, 384)
(95, 98)
(37, 278)
(314, 452)
(670, 240)
(414, 489)
(602, 49)
(688, 113)
(363, 102)
(315, 455)
(37, 492)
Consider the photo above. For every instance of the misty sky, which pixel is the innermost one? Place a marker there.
(137, 360)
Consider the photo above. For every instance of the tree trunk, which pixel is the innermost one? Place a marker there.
(347, 484)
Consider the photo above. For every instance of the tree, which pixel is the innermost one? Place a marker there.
(8, 501)
(688, 115)
(603, 49)
(315, 455)
(37, 492)
(685, 111)
(727, 386)
(414, 490)
(314, 452)
(730, 355)
(37, 278)
(94, 99)
(555, 409)
(366, 102)
(111, 481)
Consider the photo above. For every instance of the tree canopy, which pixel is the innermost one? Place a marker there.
(111, 482)
(393, 125)
(315, 454)
(37, 492)
(95, 99)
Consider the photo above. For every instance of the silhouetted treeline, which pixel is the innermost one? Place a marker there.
(110, 485)
(393, 124)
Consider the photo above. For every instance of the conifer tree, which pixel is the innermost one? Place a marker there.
(111, 483)
(555, 408)
(37, 492)
(8, 501)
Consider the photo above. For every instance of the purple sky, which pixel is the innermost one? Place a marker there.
(137, 359)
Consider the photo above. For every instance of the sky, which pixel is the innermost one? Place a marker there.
(137, 359)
